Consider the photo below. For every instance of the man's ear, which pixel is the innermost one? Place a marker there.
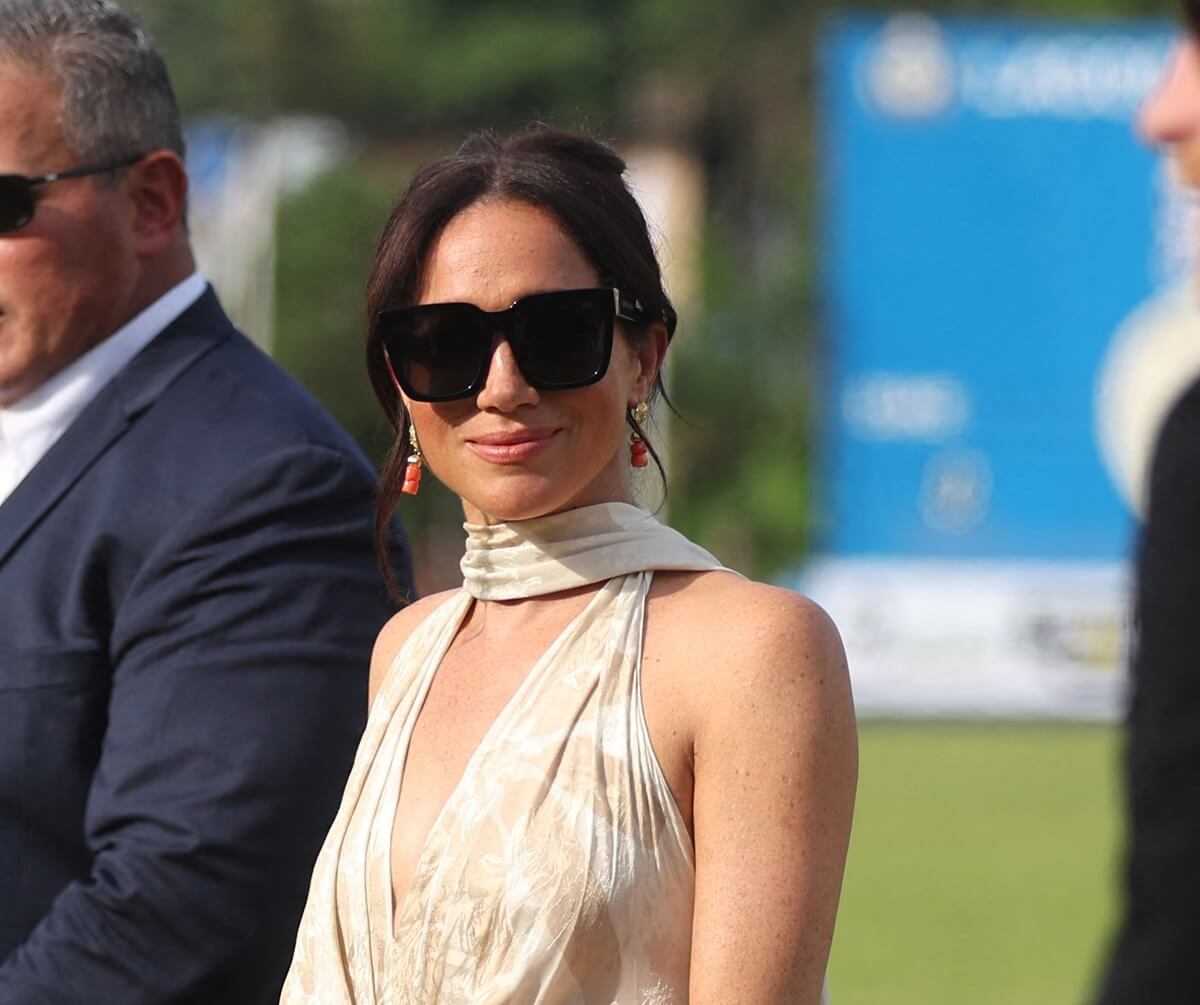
(157, 187)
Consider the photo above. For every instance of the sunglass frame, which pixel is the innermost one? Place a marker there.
(24, 186)
(502, 321)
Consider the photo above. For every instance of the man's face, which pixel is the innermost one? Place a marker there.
(1171, 115)
(67, 278)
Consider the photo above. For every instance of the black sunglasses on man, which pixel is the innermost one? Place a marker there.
(18, 196)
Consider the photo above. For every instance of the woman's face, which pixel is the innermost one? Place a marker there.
(513, 452)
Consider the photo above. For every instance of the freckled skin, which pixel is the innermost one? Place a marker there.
(490, 255)
(756, 738)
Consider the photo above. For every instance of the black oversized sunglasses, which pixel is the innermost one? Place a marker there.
(18, 198)
(560, 340)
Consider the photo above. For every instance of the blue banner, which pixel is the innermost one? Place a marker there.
(991, 224)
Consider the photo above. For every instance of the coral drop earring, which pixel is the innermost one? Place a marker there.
(639, 450)
(412, 473)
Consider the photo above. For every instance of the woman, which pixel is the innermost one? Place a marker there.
(607, 769)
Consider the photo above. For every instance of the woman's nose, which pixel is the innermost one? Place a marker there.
(1172, 112)
(506, 388)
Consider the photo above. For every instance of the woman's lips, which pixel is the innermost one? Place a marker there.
(511, 447)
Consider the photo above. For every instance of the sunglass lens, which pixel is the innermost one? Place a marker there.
(439, 352)
(564, 340)
(16, 202)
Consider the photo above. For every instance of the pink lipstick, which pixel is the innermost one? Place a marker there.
(511, 446)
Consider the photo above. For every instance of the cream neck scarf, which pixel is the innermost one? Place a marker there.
(574, 548)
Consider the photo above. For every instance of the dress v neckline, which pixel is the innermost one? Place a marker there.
(561, 834)
(398, 907)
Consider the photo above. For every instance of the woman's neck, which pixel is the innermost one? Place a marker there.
(609, 491)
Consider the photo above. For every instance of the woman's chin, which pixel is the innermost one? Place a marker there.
(514, 494)
(509, 505)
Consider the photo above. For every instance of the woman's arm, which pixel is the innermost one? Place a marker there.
(775, 772)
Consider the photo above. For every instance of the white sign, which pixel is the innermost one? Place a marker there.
(973, 638)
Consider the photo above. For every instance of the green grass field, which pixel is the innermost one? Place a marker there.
(982, 867)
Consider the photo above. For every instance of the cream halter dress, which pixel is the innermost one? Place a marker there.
(559, 870)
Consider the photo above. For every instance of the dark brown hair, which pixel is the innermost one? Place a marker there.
(577, 178)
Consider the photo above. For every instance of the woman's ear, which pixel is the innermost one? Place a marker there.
(650, 353)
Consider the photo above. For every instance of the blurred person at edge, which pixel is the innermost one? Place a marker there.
(1154, 958)
(188, 589)
(606, 769)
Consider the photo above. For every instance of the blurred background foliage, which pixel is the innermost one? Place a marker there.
(981, 862)
(732, 84)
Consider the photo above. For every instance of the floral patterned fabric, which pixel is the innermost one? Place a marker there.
(559, 870)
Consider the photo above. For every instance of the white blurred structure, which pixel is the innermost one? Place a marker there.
(669, 185)
(1152, 360)
(239, 173)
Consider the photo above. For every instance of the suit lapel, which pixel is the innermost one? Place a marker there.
(106, 418)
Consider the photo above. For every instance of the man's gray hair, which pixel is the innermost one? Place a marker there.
(116, 97)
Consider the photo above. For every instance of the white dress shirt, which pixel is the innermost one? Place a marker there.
(32, 425)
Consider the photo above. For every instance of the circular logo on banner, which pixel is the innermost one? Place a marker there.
(910, 72)
(956, 490)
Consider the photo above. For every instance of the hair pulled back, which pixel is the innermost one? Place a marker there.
(575, 177)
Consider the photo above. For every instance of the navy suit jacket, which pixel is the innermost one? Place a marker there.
(188, 600)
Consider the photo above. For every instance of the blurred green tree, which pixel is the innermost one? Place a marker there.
(733, 83)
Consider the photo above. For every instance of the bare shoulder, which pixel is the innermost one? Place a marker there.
(750, 630)
(775, 763)
(395, 633)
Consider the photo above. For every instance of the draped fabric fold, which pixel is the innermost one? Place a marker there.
(559, 869)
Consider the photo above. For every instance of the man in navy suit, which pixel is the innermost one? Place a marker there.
(188, 594)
